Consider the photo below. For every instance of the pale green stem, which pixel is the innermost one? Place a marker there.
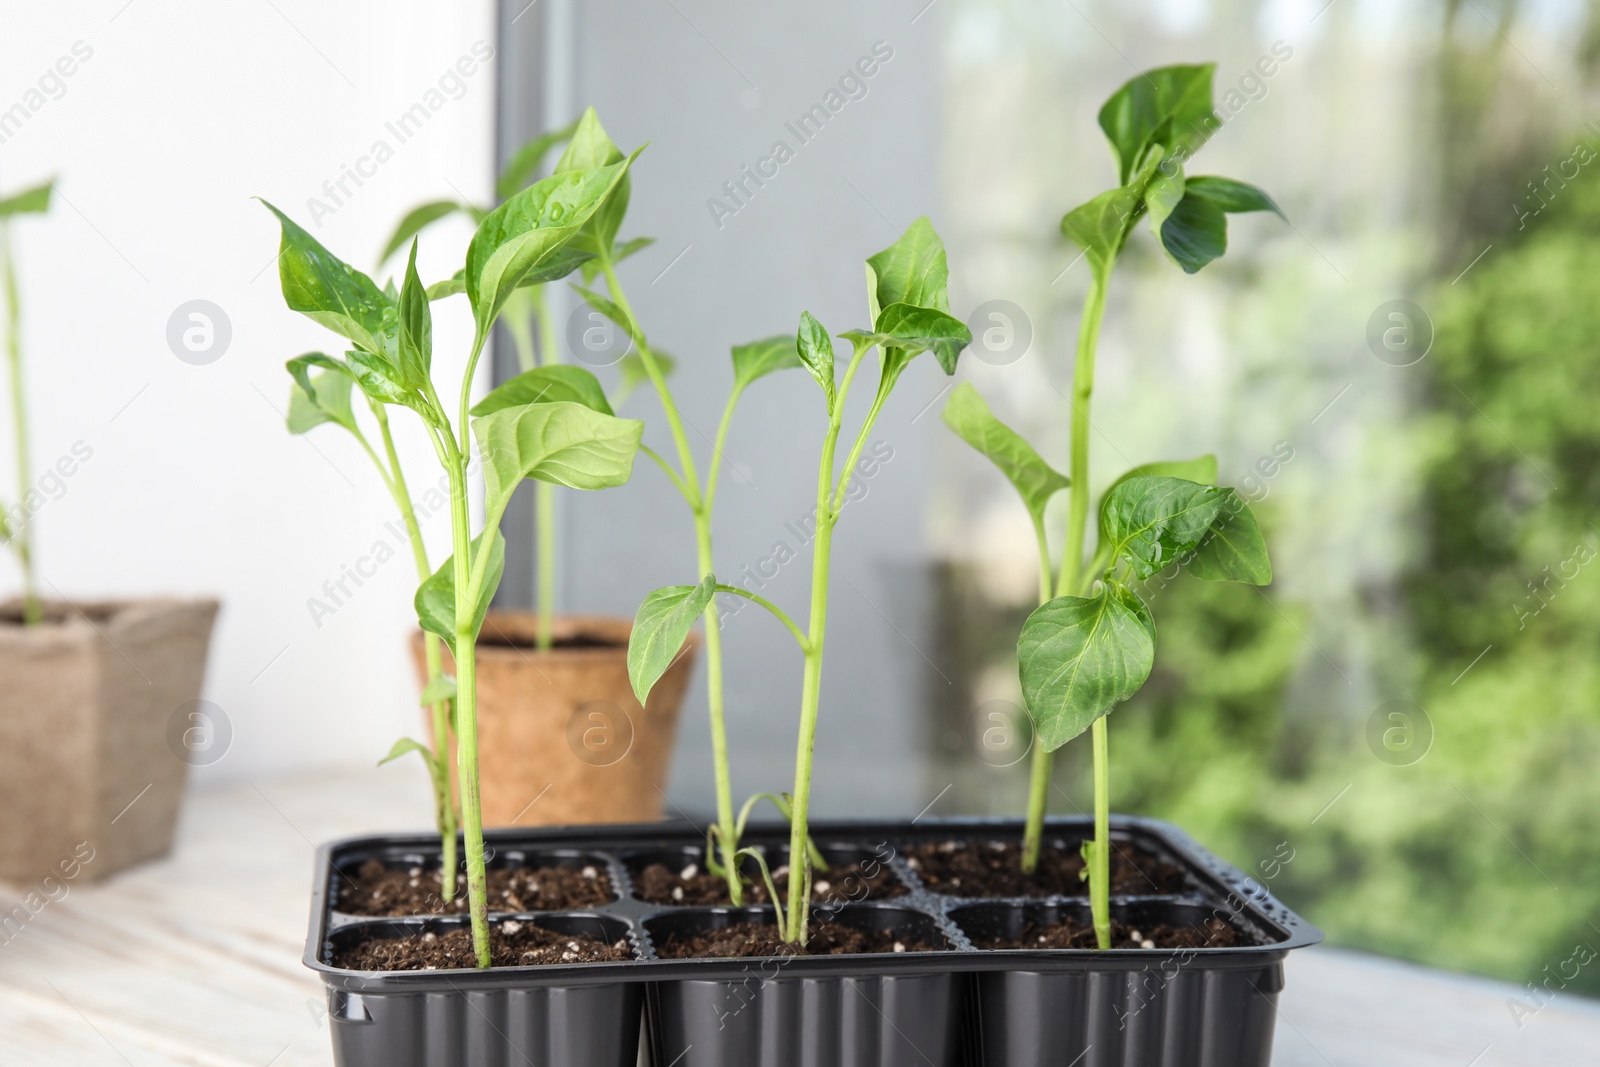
(549, 351)
(525, 310)
(455, 461)
(463, 445)
(1094, 306)
(810, 692)
(701, 507)
(544, 513)
(1042, 759)
(671, 474)
(432, 651)
(518, 319)
(799, 903)
(1039, 768)
(1100, 868)
(467, 708)
(22, 535)
(653, 370)
(728, 838)
(728, 833)
(777, 612)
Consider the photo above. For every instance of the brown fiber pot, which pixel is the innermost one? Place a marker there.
(561, 739)
(99, 723)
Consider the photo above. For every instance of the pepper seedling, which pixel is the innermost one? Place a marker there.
(528, 320)
(1091, 642)
(599, 252)
(320, 394)
(568, 439)
(18, 533)
(910, 314)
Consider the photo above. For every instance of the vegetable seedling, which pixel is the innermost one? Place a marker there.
(1091, 642)
(18, 532)
(599, 252)
(320, 394)
(528, 320)
(569, 437)
(910, 314)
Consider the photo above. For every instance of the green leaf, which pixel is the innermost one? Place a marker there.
(1078, 657)
(562, 442)
(910, 271)
(1153, 521)
(814, 348)
(559, 382)
(34, 201)
(558, 266)
(416, 220)
(1233, 550)
(436, 597)
(588, 146)
(528, 231)
(628, 248)
(1162, 195)
(660, 629)
(324, 397)
(761, 358)
(451, 286)
(1169, 104)
(1101, 226)
(416, 329)
(406, 744)
(440, 687)
(524, 164)
(1195, 233)
(904, 331)
(592, 266)
(634, 375)
(591, 147)
(607, 308)
(1231, 196)
(328, 290)
(380, 379)
(968, 415)
(299, 367)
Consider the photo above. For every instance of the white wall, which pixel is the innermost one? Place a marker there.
(183, 112)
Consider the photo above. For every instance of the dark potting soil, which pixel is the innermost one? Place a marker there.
(511, 944)
(756, 939)
(380, 890)
(994, 869)
(692, 886)
(1214, 932)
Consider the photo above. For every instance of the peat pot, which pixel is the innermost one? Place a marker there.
(951, 977)
(100, 720)
(561, 738)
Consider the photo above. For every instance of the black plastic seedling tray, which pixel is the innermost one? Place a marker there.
(957, 1007)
